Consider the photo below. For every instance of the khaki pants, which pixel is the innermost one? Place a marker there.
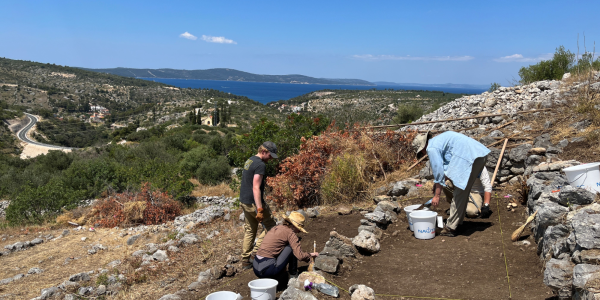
(251, 226)
(458, 207)
(475, 200)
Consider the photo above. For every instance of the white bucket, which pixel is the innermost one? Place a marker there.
(586, 176)
(263, 289)
(223, 296)
(424, 224)
(408, 210)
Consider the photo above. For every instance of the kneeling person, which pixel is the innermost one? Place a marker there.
(281, 247)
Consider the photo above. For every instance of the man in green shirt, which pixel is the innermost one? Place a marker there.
(252, 199)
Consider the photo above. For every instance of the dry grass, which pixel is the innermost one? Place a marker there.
(221, 189)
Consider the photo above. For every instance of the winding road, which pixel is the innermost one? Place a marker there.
(22, 135)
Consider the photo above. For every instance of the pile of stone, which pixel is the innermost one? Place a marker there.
(20, 246)
(567, 232)
(216, 200)
(508, 100)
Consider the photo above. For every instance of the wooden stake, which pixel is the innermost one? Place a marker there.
(499, 162)
(418, 161)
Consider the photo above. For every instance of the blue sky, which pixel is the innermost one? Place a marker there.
(476, 42)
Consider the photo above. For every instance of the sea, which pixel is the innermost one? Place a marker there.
(265, 92)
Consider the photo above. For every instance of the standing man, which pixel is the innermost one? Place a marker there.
(460, 159)
(252, 198)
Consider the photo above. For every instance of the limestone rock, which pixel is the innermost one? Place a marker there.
(590, 257)
(558, 274)
(575, 195)
(549, 213)
(80, 277)
(555, 240)
(366, 241)
(313, 277)
(342, 244)
(389, 206)
(587, 230)
(131, 240)
(363, 292)
(582, 273)
(542, 141)
(292, 293)
(326, 263)
(170, 297)
(50, 292)
(519, 154)
(189, 239)
(344, 210)
(537, 151)
(399, 188)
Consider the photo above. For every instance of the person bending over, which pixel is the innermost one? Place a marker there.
(479, 198)
(460, 159)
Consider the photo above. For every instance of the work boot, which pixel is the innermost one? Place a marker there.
(448, 232)
(293, 266)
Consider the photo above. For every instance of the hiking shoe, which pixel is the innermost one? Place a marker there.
(448, 232)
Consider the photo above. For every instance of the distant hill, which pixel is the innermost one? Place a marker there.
(226, 75)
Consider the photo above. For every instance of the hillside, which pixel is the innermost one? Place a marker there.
(226, 75)
(83, 102)
(376, 107)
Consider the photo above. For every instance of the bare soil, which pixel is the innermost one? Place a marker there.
(468, 266)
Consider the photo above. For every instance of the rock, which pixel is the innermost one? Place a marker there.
(577, 139)
(217, 272)
(537, 151)
(69, 297)
(204, 277)
(587, 229)
(50, 292)
(69, 286)
(101, 290)
(558, 274)
(566, 76)
(242, 217)
(581, 125)
(170, 297)
(195, 286)
(519, 154)
(582, 273)
(292, 293)
(131, 240)
(486, 140)
(366, 241)
(555, 240)
(553, 150)
(173, 249)
(542, 141)
(65, 232)
(496, 133)
(80, 277)
(36, 241)
(549, 213)
(189, 239)
(548, 124)
(85, 290)
(399, 188)
(344, 210)
(342, 244)
(160, 255)
(371, 228)
(378, 199)
(497, 119)
(575, 195)
(492, 159)
(138, 253)
(327, 263)
(313, 212)
(313, 277)
(591, 257)
(389, 206)
(113, 263)
(35, 271)
(379, 217)
(363, 292)
(303, 213)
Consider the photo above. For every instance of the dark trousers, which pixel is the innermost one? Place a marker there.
(269, 267)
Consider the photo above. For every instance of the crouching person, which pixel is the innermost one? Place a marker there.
(281, 248)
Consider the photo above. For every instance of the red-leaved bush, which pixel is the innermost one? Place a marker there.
(300, 178)
(147, 207)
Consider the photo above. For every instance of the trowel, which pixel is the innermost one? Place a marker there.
(424, 205)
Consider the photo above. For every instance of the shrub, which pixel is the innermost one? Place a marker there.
(408, 113)
(36, 204)
(551, 69)
(301, 176)
(345, 179)
(214, 171)
(193, 158)
(146, 207)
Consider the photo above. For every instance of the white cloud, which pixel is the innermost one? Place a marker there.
(371, 57)
(521, 58)
(189, 36)
(217, 39)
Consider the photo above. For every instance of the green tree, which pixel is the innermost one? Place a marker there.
(408, 113)
(494, 87)
(552, 69)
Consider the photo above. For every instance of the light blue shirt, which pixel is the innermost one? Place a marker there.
(452, 154)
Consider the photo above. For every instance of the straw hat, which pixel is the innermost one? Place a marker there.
(296, 219)
(420, 141)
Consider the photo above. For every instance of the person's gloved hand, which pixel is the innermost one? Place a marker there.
(485, 212)
(259, 215)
